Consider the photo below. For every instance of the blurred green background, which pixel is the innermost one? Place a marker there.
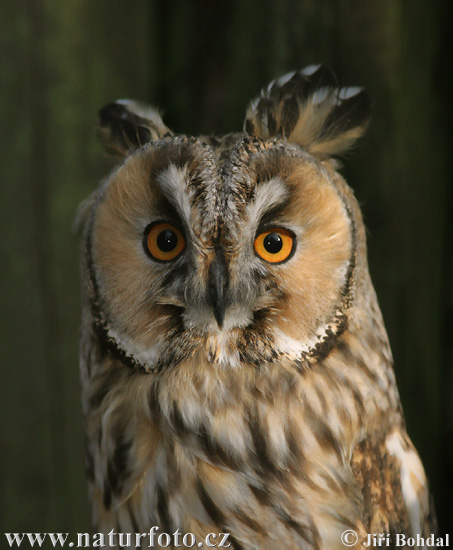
(201, 62)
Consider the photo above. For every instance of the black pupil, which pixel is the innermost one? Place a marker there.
(167, 240)
(273, 243)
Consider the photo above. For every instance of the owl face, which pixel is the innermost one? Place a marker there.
(242, 256)
(240, 248)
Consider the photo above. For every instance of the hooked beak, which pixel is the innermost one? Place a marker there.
(218, 284)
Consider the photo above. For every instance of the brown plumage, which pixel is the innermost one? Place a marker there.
(237, 376)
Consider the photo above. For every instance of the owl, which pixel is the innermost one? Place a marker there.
(238, 385)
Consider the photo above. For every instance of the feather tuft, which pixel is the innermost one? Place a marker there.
(125, 125)
(308, 108)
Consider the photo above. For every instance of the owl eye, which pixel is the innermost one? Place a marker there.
(274, 245)
(163, 241)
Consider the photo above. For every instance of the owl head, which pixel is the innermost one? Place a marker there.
(243, 248)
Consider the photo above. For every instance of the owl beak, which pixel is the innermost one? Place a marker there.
(218, 284)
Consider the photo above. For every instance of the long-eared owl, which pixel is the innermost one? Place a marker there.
(236, 372)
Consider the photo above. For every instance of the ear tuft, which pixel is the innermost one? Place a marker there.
(126, 125)
(309, 109)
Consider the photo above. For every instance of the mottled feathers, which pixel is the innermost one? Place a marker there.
(125, 125)
(236, 372)
(308, 108)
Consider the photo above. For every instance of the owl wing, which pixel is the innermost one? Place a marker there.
(114, 462)
(394, 487)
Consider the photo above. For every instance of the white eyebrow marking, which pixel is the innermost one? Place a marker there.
(172, 183)
(267, 196)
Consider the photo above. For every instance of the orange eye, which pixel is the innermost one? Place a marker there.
(163, 241)
(274, 245)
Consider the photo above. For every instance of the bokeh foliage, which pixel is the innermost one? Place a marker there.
(201, 62)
